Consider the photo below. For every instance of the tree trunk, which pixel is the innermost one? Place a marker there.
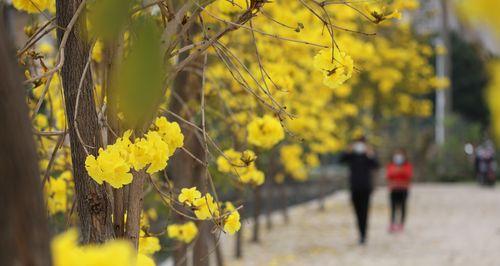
(183, 170)
(284, 202)
(219, 257)
(135, 199)
(269, 199)
(24, 237)
(201, 255)
(269, 203)
(239, 243)
(256, 213)
(93, 205)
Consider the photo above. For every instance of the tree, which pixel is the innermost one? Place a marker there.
(24, 232)
(93, 204)
(470, 77)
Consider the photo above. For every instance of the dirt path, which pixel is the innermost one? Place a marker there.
(447, 225)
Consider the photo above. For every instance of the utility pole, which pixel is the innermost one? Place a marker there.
(443, 70)
(440, 93)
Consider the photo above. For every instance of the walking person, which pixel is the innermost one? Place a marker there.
(361, 160)
(399, 174)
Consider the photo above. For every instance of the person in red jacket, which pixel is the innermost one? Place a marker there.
(399, 175)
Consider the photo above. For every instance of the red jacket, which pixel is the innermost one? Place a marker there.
(399, 177)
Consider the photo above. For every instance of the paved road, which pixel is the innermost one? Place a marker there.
(447, 225)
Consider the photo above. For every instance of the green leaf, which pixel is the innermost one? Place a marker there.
(138, 79)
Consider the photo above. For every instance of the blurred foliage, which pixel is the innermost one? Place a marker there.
(108, 17)
(432, 164)
(452, 164)
(469, 78)
(139, 77)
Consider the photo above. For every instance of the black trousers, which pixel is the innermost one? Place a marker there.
(398, 204)
(361, 203)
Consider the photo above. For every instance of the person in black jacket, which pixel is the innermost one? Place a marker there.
(362, 161)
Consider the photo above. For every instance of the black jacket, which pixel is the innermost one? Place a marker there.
(361, 168)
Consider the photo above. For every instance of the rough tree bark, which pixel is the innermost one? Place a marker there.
(24, 237)
(134, 209)
(93, 205)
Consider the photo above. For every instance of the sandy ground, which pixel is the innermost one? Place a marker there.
(447, 225)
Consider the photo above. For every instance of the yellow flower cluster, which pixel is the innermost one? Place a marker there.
(265, 131)
(241, 164)
(148, 245)
(66, 252)
(380, 13)
(189, 195)
(32, 6)
(336, 68)
(290, 156)
(114, 163)
(56, 192)
(205, 208)
(232, 222)
(183, 232)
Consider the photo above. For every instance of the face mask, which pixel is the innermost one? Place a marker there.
(398, 159)
(359, 147)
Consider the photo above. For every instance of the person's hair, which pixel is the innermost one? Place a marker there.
(360, 139)
(402, 151)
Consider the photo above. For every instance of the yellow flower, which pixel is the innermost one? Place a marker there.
(152, 151)
(229, 161)
(144, 260)
(265, 132)
(185, 232)
(229, 206)
(158, 152)
(440, 83)
(115, 252)
(97, 51)
(279, 178)
(139, 156)
(41, 121)
(241, 164)
(56, 195)
(148, 245)
(112, 163)
(66, 252)
(253, 176)
(189, 195)
(290, 156)
(312, 160)
(189, 232)
(173, 231)
(32, 6)
(336, 69)
(115, 169)
(93, 169)
(232, 223)
(248, 157)
(206, 208)
(171, 133)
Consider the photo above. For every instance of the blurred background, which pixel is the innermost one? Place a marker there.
(423, 77)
